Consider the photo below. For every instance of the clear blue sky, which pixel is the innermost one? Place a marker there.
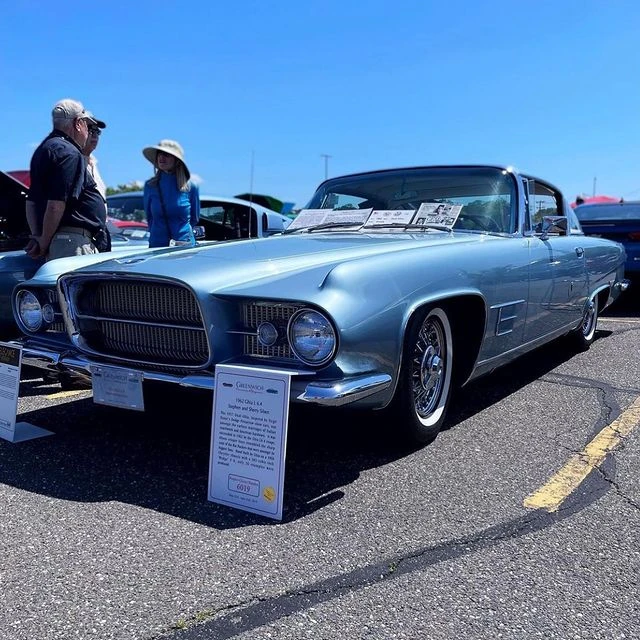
(552, 88)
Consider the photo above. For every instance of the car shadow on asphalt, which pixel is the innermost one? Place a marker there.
(160, 459)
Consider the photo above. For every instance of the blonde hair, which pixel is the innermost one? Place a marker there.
(180, 172)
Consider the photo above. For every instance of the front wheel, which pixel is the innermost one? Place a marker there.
(585, 334)
(424, 388)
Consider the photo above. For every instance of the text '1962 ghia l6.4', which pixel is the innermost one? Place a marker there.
(390, 290)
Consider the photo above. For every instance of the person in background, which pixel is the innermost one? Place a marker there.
(171, 200)
(64, 208)
(579, 200)
(95, 130)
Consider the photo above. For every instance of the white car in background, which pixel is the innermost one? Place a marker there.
(221, 218)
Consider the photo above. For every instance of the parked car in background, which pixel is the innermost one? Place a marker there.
(619, 221)
(389, 291)
(15, 265)
(14, 231)
(221, 218)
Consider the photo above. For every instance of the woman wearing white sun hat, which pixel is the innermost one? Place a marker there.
(171, 200)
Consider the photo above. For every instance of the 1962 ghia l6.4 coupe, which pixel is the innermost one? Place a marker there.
(392, 288)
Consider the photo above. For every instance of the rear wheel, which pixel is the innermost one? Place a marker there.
(585, 334)
(424, 388)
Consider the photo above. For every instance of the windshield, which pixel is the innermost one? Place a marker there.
(129, 208)
(473, 198)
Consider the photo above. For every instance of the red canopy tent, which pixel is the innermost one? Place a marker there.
(21, 176)
(596, 200)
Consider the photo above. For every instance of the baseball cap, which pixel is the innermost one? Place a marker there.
(70, 109)
(101, 124)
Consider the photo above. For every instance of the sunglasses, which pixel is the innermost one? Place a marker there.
(95, 130)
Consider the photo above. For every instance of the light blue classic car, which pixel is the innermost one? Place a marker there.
(388, 291)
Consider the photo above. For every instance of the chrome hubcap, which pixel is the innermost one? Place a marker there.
(429, 367)
(589, 315)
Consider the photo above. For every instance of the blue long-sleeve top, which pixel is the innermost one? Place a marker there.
(182, 210)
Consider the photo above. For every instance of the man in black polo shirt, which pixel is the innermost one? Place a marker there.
(64, 209)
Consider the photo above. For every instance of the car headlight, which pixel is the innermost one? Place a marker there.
(29, 310)
(312, 337)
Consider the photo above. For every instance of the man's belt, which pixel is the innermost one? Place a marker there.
(79, 230)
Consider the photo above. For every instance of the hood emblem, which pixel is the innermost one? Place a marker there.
(129, 260)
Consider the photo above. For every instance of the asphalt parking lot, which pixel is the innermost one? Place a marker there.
(106, 531)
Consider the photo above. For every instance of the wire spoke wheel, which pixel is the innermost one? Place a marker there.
(425, 386)
(585, 334)
(589, 319)
(428, 366)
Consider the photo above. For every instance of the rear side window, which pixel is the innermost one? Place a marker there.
(574, 223)
(617, 211)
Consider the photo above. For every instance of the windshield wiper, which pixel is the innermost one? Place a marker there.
(399, 225)
(383, 225)
(324, 225)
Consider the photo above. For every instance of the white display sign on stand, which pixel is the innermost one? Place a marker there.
(10, 363)
(249, 439)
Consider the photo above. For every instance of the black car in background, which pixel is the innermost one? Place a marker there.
(619, 221)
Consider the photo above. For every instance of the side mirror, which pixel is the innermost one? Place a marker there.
(554, 224)
(199, 232)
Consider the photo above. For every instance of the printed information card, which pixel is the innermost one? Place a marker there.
(10, 363)
(10, 360)
(249, 439)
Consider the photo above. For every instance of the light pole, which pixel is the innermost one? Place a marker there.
(326, 164)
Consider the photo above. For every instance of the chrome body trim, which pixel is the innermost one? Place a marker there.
(341, 392)
(623, 285)
(331, 394)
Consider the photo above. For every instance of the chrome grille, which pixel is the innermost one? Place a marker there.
(255, 313)
(56, 327)
(254, 348)
(141, 340)
(150, 322)
(276, 313)
(148, 301)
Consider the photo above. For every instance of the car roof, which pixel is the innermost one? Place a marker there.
(499, 167)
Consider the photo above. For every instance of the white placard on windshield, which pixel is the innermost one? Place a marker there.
(438, 213)
(313, 217)
(349, 216)
(249, 439)
(308, 218)
(390, 216)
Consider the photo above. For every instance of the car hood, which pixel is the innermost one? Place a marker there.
(226, 266)
(49, 272)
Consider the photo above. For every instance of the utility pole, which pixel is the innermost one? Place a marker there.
(594, 185)
(326, 164)
(253, 155)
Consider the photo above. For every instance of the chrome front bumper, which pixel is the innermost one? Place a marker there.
(331, 394)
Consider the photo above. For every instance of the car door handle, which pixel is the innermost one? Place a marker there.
(579, 252)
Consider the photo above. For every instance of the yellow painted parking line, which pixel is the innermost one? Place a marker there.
(558, 488)
(66, 394)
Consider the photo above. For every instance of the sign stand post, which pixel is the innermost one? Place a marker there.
(10, 363)
(249, 439)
